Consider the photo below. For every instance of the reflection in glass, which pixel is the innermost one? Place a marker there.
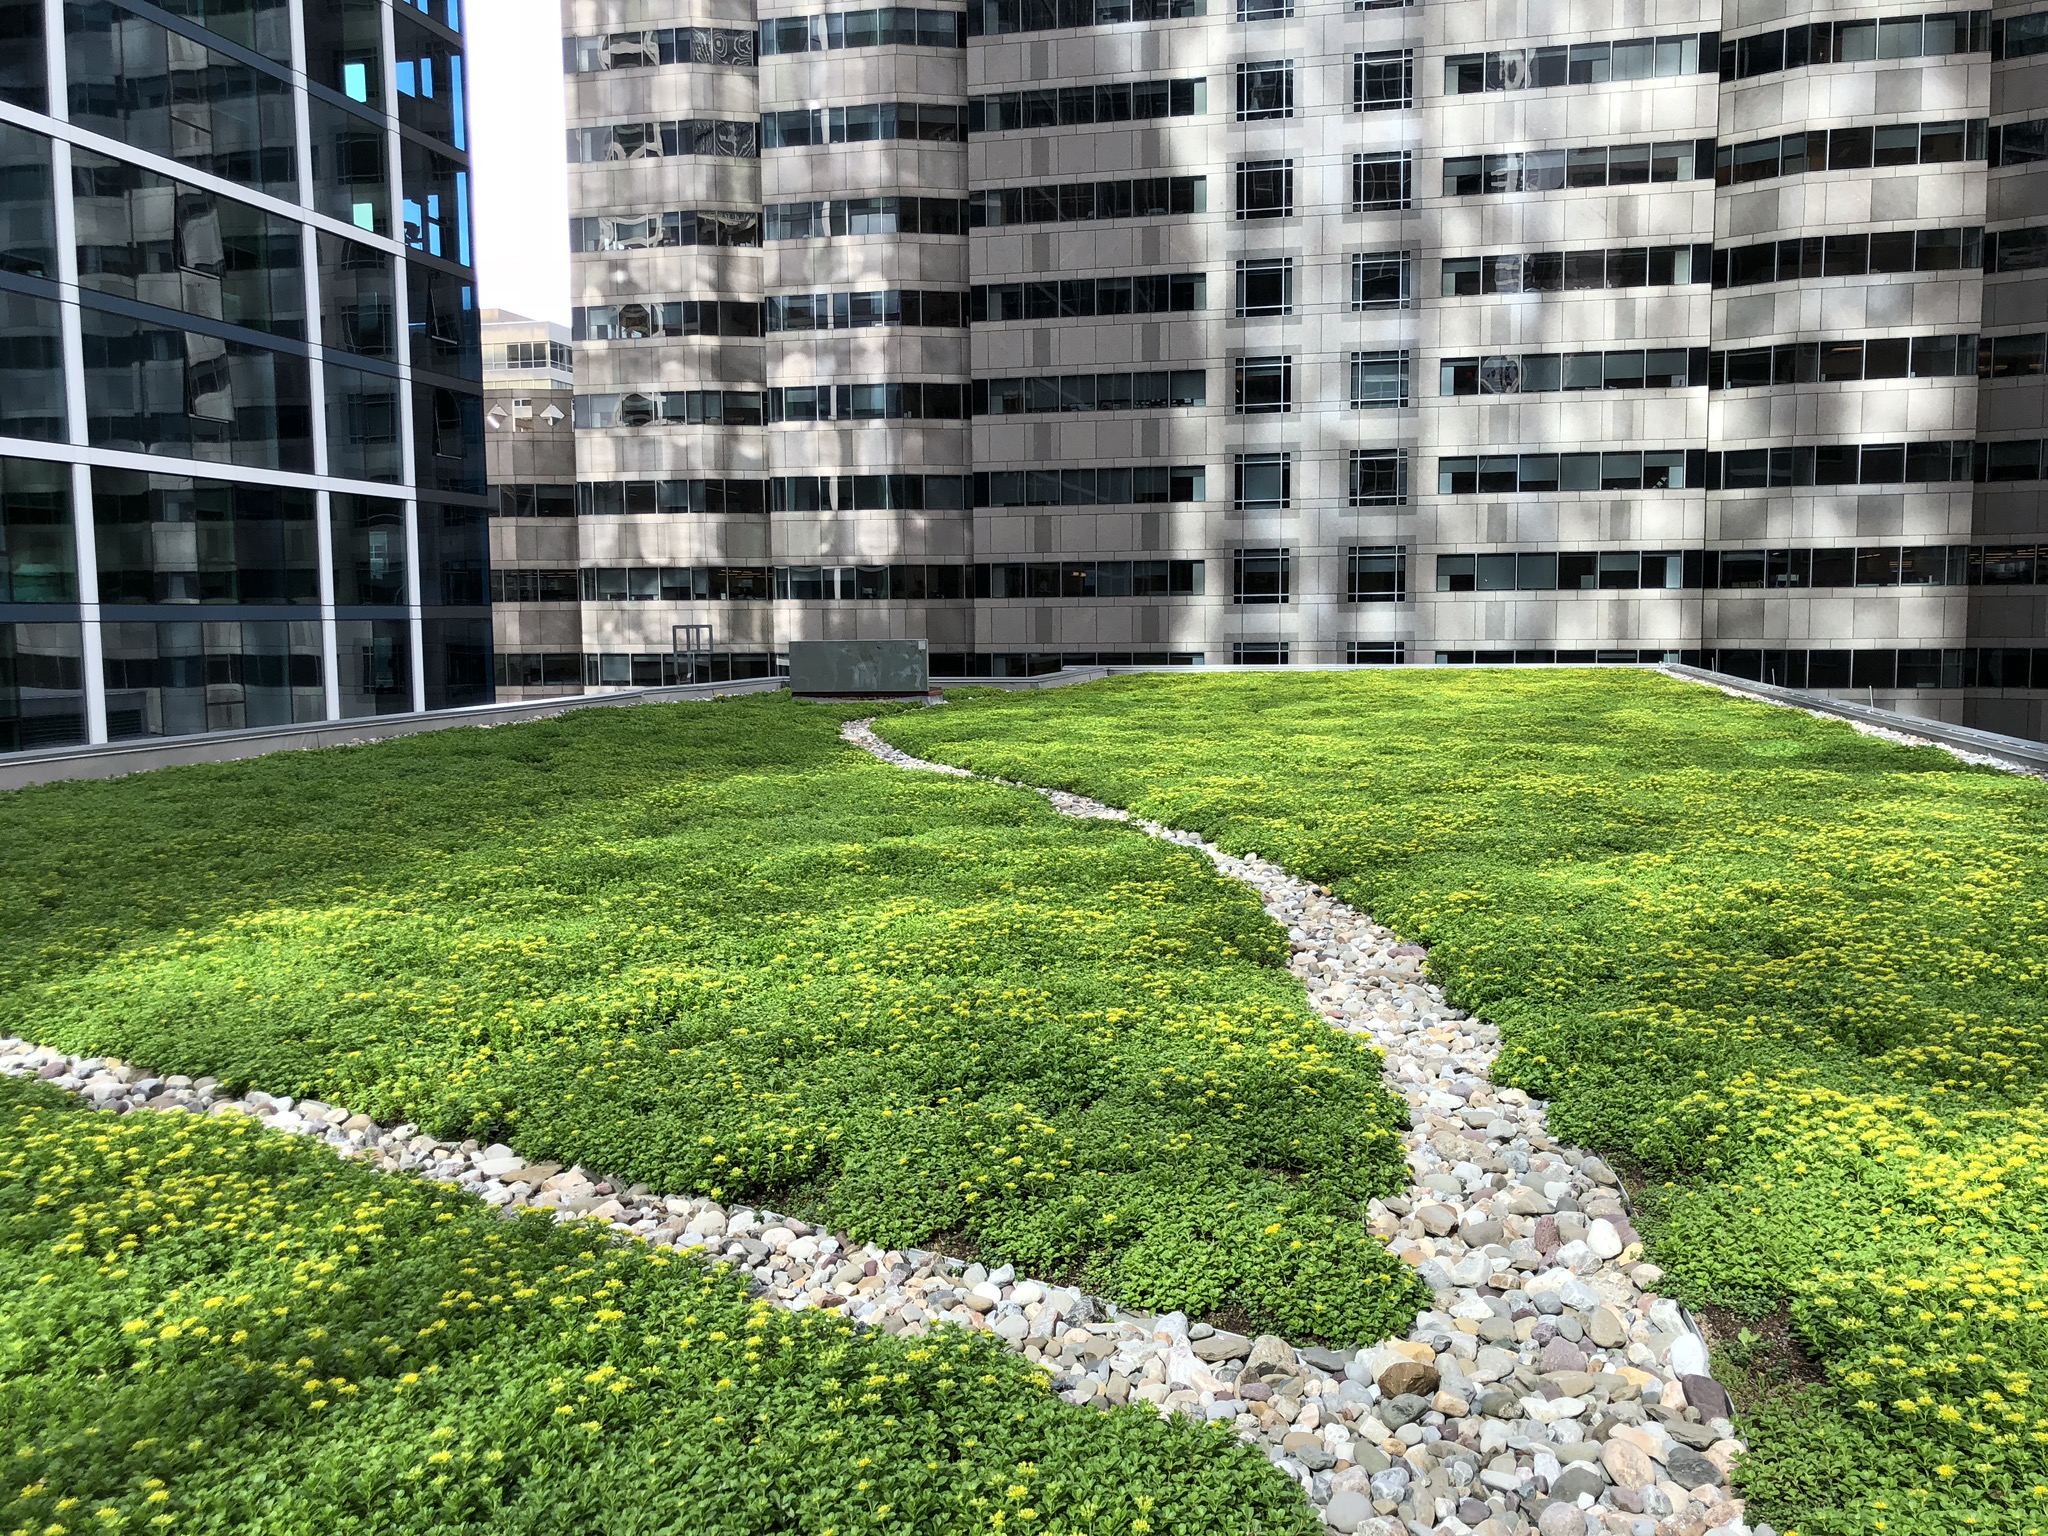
(24, 77)
(358, 303)
(436, 203)
(31, 368)
(261, 26)
(171, 539)
(184, 678)
(351, 181)
(345, 48)
(448, 437)
(458, 657)
(156, 389)
(369, 551)
(441, 312)
(28, 221)
(145, 237)
(362, 423)
(374, 666)
(430, 85)
(160, 91)
(38, 553)
(455, 555)
(42, 687)
(447, 12)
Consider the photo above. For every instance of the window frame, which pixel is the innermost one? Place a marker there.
(1253, 185)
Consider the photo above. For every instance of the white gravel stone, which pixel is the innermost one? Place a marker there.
(1529, 1244)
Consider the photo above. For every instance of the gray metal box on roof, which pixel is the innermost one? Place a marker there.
(859, 667)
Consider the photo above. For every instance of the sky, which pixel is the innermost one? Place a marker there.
(516, 139)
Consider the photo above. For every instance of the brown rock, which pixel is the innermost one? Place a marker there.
(1607, 1329)
(1437, 1220)
(1629, 1465)
(1408, 1376)
(1270, 1354)
(1641, 1439)
(1222, 1345)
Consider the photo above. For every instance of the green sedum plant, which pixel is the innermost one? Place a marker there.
(211, 1327)
(714, 949)
(1793, 974)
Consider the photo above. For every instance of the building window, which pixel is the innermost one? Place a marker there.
(1528, 69)
(1379, 477)
(1377, 574)
(1265, 189)
(1264, 10)
(1379, 381)
(1071, 578)
(1376, 653)
(1265, 386)
(1264, 482)
(1895, 37)
(1598, 165)
(1606, 571)
(1259, 576)
(1070, 298)
(1639, 266)
(1259, 653)
(1149, 197)
(539, 354)
(1265, 286)
(1382, 183)
(1119, 103)
(1076, 392)
(1530, 373)
(1265, 90)
(2016, 37)
(895, 27)
(1380, 280)
(1383, 82)
(1669, 470)
(1886, 357)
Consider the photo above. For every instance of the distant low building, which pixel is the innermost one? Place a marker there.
(530, 447)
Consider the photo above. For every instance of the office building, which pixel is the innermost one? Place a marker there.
(241, 419)
(1257, 331)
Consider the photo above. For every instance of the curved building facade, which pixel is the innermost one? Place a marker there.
(1260, 331)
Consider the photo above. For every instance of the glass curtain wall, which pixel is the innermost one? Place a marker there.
(270, 562)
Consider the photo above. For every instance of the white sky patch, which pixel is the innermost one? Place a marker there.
(516, 143)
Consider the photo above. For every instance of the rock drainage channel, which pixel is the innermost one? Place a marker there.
(1547, 1390)
(1548, 1387)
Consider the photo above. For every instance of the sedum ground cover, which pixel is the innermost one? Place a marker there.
(709, 948)
(716, 950)
(1796, 975)
(211, 1327)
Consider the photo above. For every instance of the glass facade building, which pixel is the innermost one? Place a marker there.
(1443, 331)
(241, 413)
